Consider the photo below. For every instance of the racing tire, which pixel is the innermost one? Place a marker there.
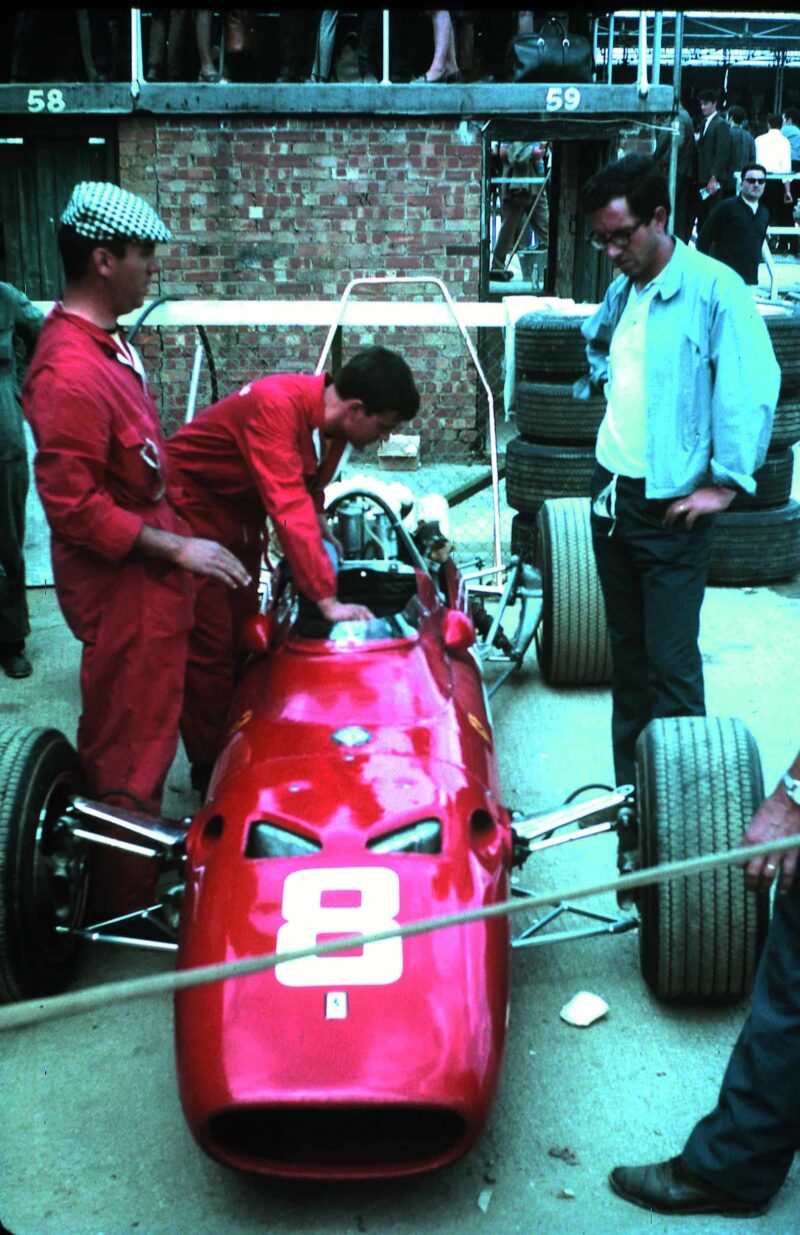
(43, 873)
(550, 413)
(548, 346)
(572, 644)
(752, 547)
(784, 332)
(536, 472)
(523, 538)
(698, 783)
(773, 483)
(786, 425)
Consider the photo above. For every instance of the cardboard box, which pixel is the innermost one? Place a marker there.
(400, 453)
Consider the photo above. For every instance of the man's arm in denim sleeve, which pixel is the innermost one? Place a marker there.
(746, 385)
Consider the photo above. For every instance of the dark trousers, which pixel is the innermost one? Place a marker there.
(704, 205)
(653, 578)
(746, 1145)
(14, 624)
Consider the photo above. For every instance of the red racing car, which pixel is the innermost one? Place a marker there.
(358, 789)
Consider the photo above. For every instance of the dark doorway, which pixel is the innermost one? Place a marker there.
(38, 170)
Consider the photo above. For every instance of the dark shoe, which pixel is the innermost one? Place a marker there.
(671, 1188)
(17, 666)
(445, 78)
(501, 276)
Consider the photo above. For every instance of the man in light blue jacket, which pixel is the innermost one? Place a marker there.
(691, 382)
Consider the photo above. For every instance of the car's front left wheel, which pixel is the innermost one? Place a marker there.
(43, 869)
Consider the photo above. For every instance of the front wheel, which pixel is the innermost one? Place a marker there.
(698, 785)
(43, 871)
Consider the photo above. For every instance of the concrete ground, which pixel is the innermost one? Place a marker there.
(93, 1140)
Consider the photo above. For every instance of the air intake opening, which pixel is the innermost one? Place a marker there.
(325, 1136)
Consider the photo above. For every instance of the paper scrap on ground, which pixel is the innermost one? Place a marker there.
(584, 1009)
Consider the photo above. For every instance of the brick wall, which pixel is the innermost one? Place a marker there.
(261, 209)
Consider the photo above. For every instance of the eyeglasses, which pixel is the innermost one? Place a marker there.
(620, 239)
(755, 180)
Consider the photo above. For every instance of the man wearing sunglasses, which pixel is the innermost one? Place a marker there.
(735, 233)
(691, 382)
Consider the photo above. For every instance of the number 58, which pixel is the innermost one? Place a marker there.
(52, 100)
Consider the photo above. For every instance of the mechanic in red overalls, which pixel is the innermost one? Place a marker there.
(270, 450)
(123, 559)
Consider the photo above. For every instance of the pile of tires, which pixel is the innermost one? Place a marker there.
(553, 457)
(757, 539)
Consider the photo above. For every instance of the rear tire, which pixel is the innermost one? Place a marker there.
(572, 642)
(43, 872)
(698, 784)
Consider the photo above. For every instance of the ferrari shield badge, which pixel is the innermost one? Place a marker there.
(336, 1006)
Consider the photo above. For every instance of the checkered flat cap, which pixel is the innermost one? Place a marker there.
(102, 211)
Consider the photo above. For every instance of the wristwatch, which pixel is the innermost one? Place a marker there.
(792, 788)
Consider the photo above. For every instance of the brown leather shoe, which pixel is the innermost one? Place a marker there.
(671, 1188)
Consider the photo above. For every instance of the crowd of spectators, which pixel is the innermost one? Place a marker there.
(434, 46)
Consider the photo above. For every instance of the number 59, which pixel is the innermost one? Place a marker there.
(563, 98)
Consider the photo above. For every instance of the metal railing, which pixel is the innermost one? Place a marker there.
(603, 45)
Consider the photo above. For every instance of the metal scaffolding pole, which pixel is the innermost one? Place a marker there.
(658, 34)
(677, 59)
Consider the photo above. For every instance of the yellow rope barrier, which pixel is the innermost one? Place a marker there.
(37, 1011)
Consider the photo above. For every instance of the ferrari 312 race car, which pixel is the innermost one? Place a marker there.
(357, 789)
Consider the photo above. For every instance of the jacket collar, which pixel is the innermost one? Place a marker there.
(670, 278)
(672, 274)
(103, 337)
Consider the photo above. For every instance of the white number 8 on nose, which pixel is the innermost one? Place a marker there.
(306, 918)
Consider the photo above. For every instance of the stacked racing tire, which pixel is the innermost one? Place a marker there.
(553, 457)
